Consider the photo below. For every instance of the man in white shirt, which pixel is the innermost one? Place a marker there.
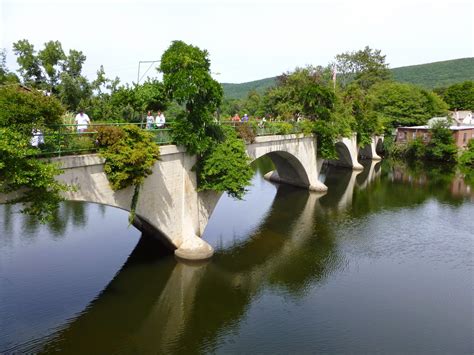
(82, 120)
(160, 120)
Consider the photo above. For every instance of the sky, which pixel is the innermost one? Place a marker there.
(248, 39)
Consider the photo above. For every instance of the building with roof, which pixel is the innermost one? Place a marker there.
(461, 134)
(462, 117)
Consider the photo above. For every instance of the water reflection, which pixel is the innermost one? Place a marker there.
(155, 304)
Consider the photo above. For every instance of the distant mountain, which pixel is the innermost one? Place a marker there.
(430, 75)
(437, 74)
(239, 91)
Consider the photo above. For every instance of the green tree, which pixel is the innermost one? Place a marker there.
(400, 104)
(222, 162)
(52, 58)
(306, 91)
(366, 67)
(365, 120)
(187, 80)
(309, 92)
(459, 96)
(129, 159)
(151, 95)
(50, 69)
(30, 181)
(22, 110)
(6, 77)
(252, 104)
(442, 146)
(30, 65)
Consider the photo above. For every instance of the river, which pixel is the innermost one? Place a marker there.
(381, 263)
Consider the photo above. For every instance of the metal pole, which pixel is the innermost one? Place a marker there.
(144, 61)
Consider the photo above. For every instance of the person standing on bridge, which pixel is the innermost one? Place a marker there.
(160, 120)
(82, 121)
(150, 120)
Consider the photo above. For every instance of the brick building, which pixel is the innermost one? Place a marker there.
(461, 134)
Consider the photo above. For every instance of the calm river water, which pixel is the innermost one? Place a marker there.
(382, 263)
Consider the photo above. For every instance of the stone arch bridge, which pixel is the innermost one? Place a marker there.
(169, 205)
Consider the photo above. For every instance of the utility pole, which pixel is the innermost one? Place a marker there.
(140, 63)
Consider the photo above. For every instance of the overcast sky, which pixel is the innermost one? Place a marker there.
(246, 40)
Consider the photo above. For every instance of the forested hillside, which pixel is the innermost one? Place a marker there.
(430, 75)
(437, 74)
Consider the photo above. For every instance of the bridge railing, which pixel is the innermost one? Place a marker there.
(267, 128)
(66, 139)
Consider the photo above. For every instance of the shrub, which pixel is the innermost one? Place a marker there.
(129, 160)
(281, 127)
(226, 167)
(467, 157)
(306, 126)
(246, 132)
(109, 135)
(415, 149)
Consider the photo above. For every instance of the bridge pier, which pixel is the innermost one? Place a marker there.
(370, 150)
(347, 150)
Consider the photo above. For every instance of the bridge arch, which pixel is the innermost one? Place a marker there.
(346, 149)
(294, 157)
(370, 150)
(289, 170)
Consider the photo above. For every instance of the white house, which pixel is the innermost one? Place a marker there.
(463, 117)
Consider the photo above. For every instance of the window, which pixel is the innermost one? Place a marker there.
(464, 138)
(414, 135)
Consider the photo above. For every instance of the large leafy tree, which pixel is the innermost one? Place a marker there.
(309, 92)
(51, 69)
(305, 91)
(401, 104)
(366, 122)
(187, 80)
(222, 161)
(366, 66)
(459, 96)
(30, 65)
(22, 110)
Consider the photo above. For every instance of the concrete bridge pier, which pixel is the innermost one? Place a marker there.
(370, 150)
(347, 150)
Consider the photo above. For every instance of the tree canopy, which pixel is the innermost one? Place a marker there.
(401, 104)
(459, 96)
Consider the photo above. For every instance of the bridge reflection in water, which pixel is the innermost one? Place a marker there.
(158, 305)
(154, 303)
